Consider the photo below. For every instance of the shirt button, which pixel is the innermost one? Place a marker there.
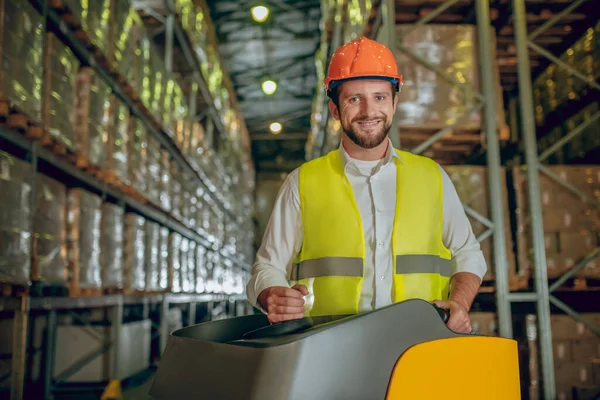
(382, 277)
(380, 244)
(378, 211)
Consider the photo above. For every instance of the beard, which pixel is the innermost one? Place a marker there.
(368, 140)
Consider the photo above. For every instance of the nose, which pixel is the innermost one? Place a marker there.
(368, 108)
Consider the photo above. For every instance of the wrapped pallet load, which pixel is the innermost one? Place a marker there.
(191, 269)
(138, 158)
(15, 220)
(152, 256)
(59, 92)
(118, 139)
(93, 108)
(111, 246)
(84, 214)
(154, 181)
(185, 252)
(166, 180)
(95, 23)
(135, 253)
(21, 48)
(163, 260)
(128, 50)
(175, 244)
(176, 194)
(50, 258)
(201, 269)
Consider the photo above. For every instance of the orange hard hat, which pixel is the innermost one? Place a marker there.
(362, 59)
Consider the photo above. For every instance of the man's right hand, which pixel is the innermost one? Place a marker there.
(282, 303)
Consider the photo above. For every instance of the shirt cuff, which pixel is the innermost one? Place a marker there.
(264, 277)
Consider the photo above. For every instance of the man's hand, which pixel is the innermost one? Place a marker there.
(282, 303)
(459, 320)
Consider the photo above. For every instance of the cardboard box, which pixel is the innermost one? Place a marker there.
(585, 350)
(565, 327)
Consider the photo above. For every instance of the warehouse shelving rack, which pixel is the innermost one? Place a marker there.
(543, 293)
(43, 160)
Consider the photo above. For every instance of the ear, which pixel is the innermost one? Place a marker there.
(396, 99)
(334, 110)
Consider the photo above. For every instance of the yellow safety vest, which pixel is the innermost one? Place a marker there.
(331, 260)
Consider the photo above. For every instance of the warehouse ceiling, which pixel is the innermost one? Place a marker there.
(280, 49)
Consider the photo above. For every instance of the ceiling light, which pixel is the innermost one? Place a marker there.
(275, 128)
(269, 87)
(259, 13)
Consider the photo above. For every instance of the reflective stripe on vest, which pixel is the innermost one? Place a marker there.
(331, 259)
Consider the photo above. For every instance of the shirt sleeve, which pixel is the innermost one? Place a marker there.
(458, 234)
(281, 242)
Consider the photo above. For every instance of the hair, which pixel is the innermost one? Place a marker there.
(334, 94)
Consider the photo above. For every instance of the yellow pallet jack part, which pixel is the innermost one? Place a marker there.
(112, 391)
(434, 370)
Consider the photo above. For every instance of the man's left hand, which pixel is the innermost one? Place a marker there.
(459, 320)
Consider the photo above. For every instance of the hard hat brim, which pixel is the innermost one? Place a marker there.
(331, 84)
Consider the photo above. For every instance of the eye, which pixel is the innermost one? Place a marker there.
(354, 99)
(382, 97)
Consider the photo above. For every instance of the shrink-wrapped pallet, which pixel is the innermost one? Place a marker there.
(111, 246)
(15, 220)
(175, 243)
(185, 252)
(191, 269)
(201, 270)
(84, 214)
(118, 139)
(50, 253)
(154, 80)
(152, 256)
(163, 259)
(21, 49)
(178, 117)
(168, 105)
(59, 92)
(176, 191)
(92, 118)
(138, 156)
(166, 180)
(135, 251)
(95, 22)
(154, 170)
(194, 24)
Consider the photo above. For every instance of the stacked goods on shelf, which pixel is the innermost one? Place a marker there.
(431, 102)
(21, 49)
(191, 268)
(175, 243)
(571, 224)
(576, 351)
(559, 95)
(135, 252)
(117, 151)
(183, 266)
(84, 215)
(152, 256)
(59, 93)
(15, 220)
(358, 13)
(471, 183)
(154, 180)
(166, 180)
(112, 246)
(92, 122)
(201, 270)
(163, 260)
(49, 232)
(138, 166)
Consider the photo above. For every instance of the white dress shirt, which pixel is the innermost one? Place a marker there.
(374, 186)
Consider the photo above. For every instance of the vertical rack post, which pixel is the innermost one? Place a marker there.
(535, 209)
(493, 168)
(388, 9)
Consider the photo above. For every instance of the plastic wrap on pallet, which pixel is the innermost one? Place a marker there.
(175, 190)
(111, 246)
(15, 214)
(168, 105)
(95, 22)
(196, 141)
(152, 256)
(100, 121)
(124, 19)
(429, 101)
(175, 244)
(163, 259)
(179, 116)
(190, 203)
(21, 48)
(138, 156)
(135, 272)
(358, 13)
(201, 269)
(184, 251)
(191, 268)
(49, 225)
(58, 100)
(84, 214)
(192, 21)
(154, 170)
(166, 180)
(119, 142)
(158, 83)
(217, 273)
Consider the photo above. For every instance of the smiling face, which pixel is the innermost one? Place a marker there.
(365, 109)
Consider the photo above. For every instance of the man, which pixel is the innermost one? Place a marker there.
(366, 225)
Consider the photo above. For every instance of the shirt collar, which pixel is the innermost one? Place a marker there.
(389, 156)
